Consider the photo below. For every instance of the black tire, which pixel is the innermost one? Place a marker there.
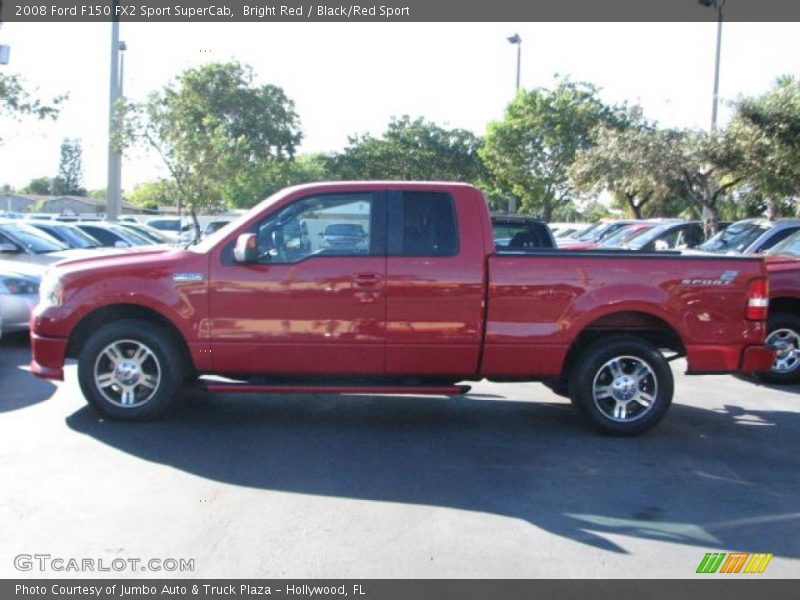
(619, 408)
(131, 392)
(558, 385)
(784, 328)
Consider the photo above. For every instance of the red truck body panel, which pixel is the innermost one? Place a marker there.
(784, 276)
(474, 314)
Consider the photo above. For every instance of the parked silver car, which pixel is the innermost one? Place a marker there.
(19, 294)
(750, 236)
(22, 242)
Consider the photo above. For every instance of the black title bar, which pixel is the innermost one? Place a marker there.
(396, 10)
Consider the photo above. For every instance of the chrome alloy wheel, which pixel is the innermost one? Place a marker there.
(625, 388)
(127, 373)
(787, 358)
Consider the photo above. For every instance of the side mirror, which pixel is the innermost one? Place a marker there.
(121, 244)
(8, 248)
(246, 249)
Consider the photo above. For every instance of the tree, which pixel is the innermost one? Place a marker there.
(152, 194)
(411, 149)
(768, 130)
(215, 129)
(706, 167)
(41, 186)
(629, 163)
(16, 101)
(70, 170)
(529, 152)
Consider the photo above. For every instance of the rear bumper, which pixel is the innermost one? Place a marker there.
(48, 357)
(729, 359)
(757, 359)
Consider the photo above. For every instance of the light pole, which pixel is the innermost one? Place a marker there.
(114, 186)
(718, 4)
(515, 39)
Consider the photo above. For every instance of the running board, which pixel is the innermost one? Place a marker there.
(249, 388)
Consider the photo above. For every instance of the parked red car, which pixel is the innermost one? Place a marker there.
(427, 302)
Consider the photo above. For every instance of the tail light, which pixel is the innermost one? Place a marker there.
(757, 300)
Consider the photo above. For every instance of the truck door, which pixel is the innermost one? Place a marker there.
(434, 292)
(315, 302)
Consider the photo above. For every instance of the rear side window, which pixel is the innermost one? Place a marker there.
(104, 237)
(778, 237)
(423, 224)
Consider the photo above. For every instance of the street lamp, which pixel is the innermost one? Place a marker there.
(515, 39)
(718, 4)
(114, 187)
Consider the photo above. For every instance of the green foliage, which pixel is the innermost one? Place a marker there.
(153, 194)
(40, 185)
(706, 167)
(529, 153)
(216, 131)
(16, 101)
(767, 128)
(411, 149)
(70, 170)
(629, 163)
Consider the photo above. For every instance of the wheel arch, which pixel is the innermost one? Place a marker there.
(784, 304)
(634, 323)
(115, 312)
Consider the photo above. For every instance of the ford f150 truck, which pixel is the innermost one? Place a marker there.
(423, 301)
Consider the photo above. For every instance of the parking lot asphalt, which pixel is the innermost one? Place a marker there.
(506, 482)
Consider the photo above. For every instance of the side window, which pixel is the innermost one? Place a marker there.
(5, 240)
(105, 238)
(781, 235)
(423, 224)
(325, 225)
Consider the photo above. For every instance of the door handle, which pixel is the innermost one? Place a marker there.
(366, 280)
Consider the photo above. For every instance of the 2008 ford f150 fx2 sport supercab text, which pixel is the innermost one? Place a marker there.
(405, 294)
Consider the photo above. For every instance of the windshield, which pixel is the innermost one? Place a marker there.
(644, 237)
(210, 241)
(589, 233)
(736, 238)
(622, 234)
(788, 247)
(33, 240)
(135, 239)
(76, 237)
(348, 229)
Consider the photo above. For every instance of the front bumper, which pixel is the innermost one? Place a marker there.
(48, 357)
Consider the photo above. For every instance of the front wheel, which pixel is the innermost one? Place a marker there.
(622, 385)
(131, 370)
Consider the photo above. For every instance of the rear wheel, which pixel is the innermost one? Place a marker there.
(131, 370)
(783, 331)
(622, 385)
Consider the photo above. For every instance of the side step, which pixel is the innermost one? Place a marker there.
(249, 388)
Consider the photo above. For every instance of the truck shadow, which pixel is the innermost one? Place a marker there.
(18, 388)
(726, 479)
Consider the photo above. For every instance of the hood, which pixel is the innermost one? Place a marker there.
(22, 269)
(106, 256)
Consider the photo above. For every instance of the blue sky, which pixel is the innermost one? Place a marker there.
(348, 78)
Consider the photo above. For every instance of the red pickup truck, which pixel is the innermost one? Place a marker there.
(783, 325)
(421, 301)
